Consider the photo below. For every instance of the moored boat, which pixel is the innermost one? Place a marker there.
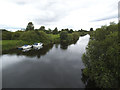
(25, 47)
(38, 45)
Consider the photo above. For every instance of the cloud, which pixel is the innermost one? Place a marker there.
(106, 18)
(75, 14)
(21, 3)
(119, 10)
(10, 27)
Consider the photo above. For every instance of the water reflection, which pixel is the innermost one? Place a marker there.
(49, 67)
(30, 52)
(64, 46)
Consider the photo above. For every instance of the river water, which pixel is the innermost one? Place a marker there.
(53, 66)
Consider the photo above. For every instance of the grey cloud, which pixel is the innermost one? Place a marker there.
(119, 10)
(21, 3)
(105, 18)
(47, 18)
(41, 20)
(9, 27)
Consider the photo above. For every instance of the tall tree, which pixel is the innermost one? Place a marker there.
(91, 29)
(42, 28)
(71, 31)
(30, 26)
(55, 31)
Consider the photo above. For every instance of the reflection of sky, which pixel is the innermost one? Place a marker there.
(9, 60)
(73, 51)
(58, 68)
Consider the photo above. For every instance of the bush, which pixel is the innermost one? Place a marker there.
(102, 57)
(30, 36)
(6, 35)
(16, 35)
(63, 35)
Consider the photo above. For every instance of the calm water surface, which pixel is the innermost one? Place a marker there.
(53, 66)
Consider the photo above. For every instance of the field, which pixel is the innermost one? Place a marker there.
(9, 44)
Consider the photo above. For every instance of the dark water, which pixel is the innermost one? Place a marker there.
(53, 66)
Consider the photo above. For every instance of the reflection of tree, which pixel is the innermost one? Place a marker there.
(64, 45)
(32, 52)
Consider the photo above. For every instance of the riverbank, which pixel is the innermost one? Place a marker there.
(12, 44)
(51, 66)
(102, 57)
(11, 40)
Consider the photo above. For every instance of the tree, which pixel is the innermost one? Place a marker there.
(102, 58)
(71, 31)
(55, 31)
(30, 26)
(112, 23)
(63, 35)
(49, 31)
(91, 29)
(6, 35)
(42, 28)
(75, 36)
(16, 35)
(30, 36)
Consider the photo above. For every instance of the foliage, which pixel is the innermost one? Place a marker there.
(63, 35)
(101, 58)
(55, 31)
(30, 26)
(75, 36)
(29, 36)
(70, 31)
(42, 28)
(66, 37)
(16, 35)
(91, 29)
(9, 44)
(42, 35)
(6, 35)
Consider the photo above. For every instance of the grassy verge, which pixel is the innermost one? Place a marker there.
(9, 44)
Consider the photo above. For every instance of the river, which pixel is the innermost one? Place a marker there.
(53, 66)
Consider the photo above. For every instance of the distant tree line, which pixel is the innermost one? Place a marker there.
(43, 35)
(30, 27)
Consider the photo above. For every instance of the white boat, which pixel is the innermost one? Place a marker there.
(38, 45)
(25, 47)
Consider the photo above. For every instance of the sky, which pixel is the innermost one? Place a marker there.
(72, 14)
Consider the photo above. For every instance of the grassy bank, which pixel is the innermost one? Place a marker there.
(10, 44)
(20, 38)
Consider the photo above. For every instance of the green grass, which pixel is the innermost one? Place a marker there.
(9, 44)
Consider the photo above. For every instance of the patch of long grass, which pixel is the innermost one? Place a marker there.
(9, 44)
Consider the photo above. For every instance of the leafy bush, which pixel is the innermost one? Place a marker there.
(6, 35)
(101, 57)
(29, 36)
(63, 35)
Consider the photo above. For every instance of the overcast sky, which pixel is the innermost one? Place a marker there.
(74, 14)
